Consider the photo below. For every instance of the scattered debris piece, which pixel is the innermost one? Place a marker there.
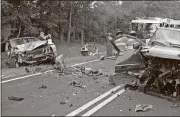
(78, 98)
(77, 84)
(15, 98)
(111, 80)
(175, 105)
(70, 105)
(95, 78)
(102, 57)
(84, 86)
(27, 70)
(129, 109)
(74, 94)
(42, 87)
(53, 115)
(39, 70)
(120, 110)
(142, 108)
(62, 102)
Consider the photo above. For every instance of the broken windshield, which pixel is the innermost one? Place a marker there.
(21, 41)
(167, 37)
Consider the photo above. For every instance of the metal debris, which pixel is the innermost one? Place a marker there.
(143, 108)
(70, 105)
(74, 94)
(102, 57)
(42, 87)
(39, 70)
(15, 98)
(62, 102)
(77, 84)
(175, 105)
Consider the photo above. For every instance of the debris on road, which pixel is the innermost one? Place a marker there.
(39, 70)
(15, 98)
(95, 78)
(130, 87)
(42, 87)
(74, 94)
(70, 105)
(175, 105)
(142, 108)
(62, 102)
(77, 84)
(27, 70)
(111, 80)
(102, 58)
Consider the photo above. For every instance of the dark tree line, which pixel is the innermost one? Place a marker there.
(77, 21)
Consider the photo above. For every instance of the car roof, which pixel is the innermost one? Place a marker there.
(175, 29)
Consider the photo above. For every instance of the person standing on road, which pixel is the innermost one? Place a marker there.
(121, 40)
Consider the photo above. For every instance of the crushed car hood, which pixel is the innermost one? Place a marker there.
(162, 52)
(30, 46)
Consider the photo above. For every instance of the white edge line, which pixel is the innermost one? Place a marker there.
(92, 111)
(46, 72)
(85, 106)
(21, 77)
(84, 62)
(11, 76)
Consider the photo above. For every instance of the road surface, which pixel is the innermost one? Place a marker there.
(97, 99)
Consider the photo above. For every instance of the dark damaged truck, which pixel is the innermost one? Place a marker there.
(29, 50)
(159, 59)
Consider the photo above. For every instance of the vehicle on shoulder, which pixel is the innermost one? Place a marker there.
(30, 50)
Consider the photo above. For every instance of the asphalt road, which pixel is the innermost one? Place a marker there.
(78, 101)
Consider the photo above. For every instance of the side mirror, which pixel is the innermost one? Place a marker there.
(136, 45)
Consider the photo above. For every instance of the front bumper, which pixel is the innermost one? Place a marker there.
(38, 58)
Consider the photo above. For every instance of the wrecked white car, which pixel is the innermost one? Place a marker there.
(160, 60)
(29, 50)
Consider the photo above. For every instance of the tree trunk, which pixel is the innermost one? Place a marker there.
(19, 31)
(82, 31)
(74, 34)
(82, 37)
(61, 34)
(69, 30)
